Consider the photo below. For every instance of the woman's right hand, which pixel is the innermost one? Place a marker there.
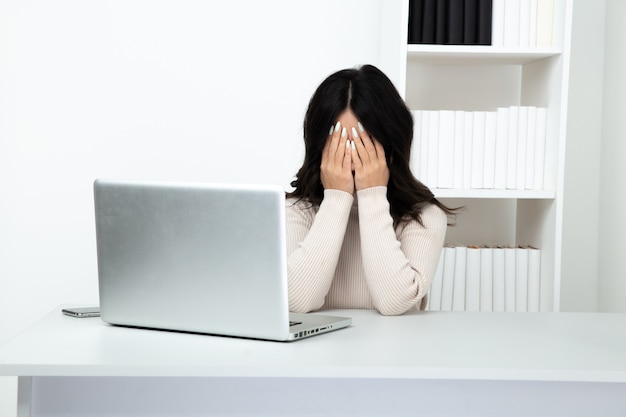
(336, 168)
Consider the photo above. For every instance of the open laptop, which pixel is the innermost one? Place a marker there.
(197, 257)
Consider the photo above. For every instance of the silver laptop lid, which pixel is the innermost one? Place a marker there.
(207, 258)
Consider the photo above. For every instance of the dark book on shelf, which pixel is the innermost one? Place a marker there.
(455, 22)
(415, 21)
(470, 22)
(429, 19)
(441, 23)
(485, 11)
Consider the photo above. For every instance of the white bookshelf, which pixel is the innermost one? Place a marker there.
(481, 55)
(483, 193)
(483, 78)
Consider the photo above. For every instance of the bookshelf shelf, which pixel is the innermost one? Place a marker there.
(482, 55)
(476, 79)
(493, 194)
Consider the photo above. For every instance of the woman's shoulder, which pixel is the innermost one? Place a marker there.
(432, 213)
(300, 208)
(432, 217)
(299, 203)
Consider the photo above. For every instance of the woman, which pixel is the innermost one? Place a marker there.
(362, 232)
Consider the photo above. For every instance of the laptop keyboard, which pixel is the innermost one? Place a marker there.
(294, 323)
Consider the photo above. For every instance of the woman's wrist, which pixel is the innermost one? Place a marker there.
(373, 192)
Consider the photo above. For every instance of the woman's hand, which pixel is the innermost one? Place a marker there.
(336, 172)
(368, 156)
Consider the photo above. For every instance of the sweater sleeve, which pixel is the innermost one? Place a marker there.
(314, 242)
(399, 268)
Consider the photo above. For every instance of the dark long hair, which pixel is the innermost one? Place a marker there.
(376, 103)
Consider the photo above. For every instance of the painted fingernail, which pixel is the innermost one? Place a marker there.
(337, 126)
(347, 144)
(332, 129)
(353, 146)
(344, 132)
(360, 127)
(354, 134)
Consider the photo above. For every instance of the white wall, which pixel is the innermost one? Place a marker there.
(612, 288)
(192, 89)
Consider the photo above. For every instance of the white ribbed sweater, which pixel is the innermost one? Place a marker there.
(346, 254)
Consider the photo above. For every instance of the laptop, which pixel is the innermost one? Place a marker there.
(197, 257)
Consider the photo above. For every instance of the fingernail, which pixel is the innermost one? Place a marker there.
(356, 135)
(332, 129)
(353, 146)
(347, 144)
(337, 126)
(344, 132)
(360, 126)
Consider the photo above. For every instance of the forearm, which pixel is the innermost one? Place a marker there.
(313, 250)
(398, 271)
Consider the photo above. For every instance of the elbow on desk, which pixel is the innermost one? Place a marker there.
(392, 311)
(396, 307)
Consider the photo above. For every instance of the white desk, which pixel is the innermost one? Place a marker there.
(439, 364)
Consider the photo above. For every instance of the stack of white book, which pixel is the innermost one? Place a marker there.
(502, 149)
(522, 23)
(500, 279)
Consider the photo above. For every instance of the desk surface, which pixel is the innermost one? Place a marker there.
(488, 346)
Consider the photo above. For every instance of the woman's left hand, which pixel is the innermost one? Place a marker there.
(370, 165)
